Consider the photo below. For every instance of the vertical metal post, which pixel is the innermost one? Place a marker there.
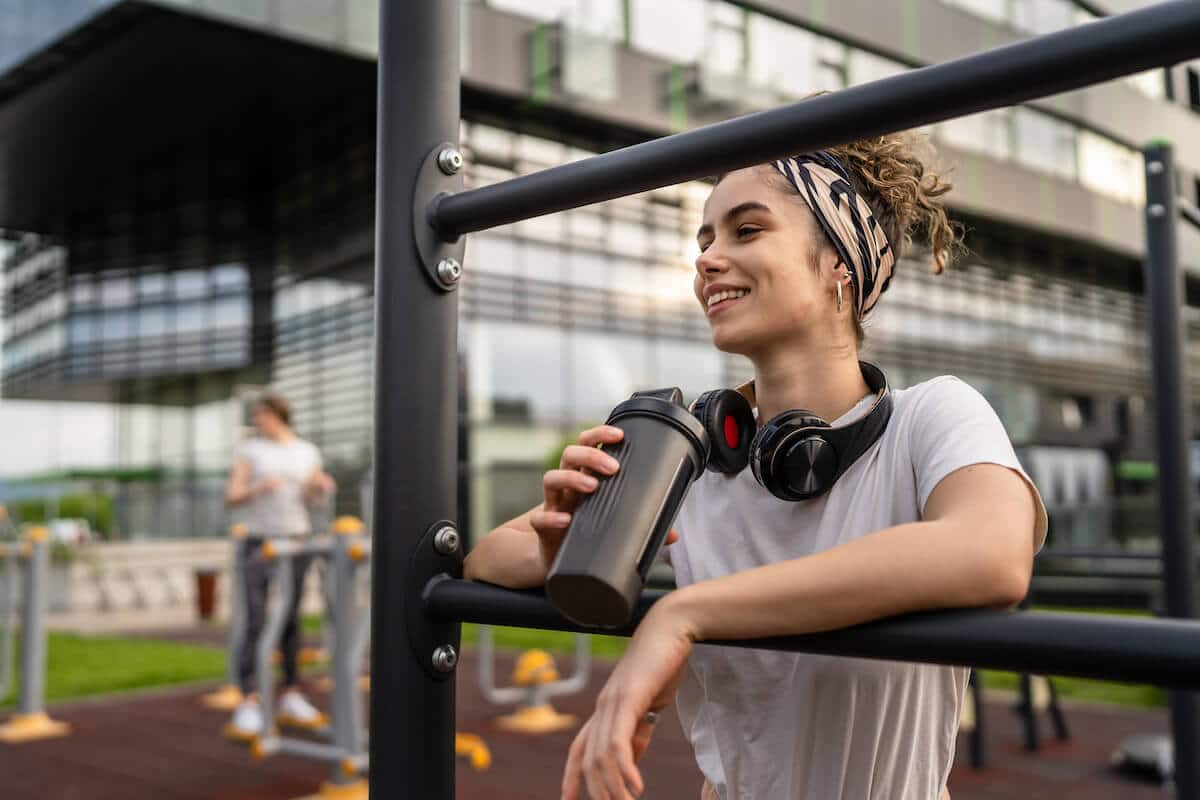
(412, 713)
(33, 628)
(8, 605)
(346, 716)
(1164, 292)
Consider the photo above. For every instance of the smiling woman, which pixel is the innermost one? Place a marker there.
(860, 503)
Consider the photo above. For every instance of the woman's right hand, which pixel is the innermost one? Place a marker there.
(563, 488)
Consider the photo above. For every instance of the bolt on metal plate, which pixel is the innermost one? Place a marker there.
(445, 658)
(446, 541)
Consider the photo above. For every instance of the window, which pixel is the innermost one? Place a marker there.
(190, 284)
(865, 67)
(725, 40)
(152, 286)
(1044, 143)
(1151, 83)
(781, 56)
(685, 19)
(1193, 79)
(1109, 168)
(116, 291)
(988, 132)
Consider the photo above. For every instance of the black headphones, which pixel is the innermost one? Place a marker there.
(796, 455)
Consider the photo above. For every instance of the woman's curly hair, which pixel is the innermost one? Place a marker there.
(904, 194)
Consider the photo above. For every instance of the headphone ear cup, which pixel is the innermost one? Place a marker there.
(729, 422)
(807, 466)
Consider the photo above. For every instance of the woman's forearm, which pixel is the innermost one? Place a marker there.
(507, 557)
(912, 567)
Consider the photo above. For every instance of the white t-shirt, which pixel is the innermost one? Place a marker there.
(795, 726)
(281, 512)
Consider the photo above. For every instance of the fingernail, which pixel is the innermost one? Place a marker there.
(562, 518)
(612, 464)
(590, 482)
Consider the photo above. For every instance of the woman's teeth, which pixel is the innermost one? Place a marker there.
(729, 295)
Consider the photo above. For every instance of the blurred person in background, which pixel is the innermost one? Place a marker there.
(276, 479)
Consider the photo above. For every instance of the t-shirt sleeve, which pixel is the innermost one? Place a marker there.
(244, 451)
(955, 427)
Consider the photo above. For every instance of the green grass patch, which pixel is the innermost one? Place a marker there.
(79, 666)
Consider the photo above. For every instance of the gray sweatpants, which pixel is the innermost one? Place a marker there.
(258, 571)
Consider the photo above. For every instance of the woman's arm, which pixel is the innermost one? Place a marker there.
(974, 547)
(510, 555)
(239, 490)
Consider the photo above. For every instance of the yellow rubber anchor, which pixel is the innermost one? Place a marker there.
(534, 669)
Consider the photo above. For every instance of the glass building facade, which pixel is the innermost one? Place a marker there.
(183, 304)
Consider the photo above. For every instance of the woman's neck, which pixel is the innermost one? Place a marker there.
(281, 436)
(824, 383)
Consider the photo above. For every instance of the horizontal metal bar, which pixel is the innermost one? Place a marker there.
(1189, 212)
(303, 748)
(1163, 34)
(1155, 651)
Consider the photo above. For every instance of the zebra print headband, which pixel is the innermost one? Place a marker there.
(847, 221)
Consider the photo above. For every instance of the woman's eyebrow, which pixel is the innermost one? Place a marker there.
(740, 208)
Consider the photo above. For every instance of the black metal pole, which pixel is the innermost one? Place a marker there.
(412, 715)
(1164, 291)
(1162, 652)
(1162, 34)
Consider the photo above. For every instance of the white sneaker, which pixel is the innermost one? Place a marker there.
(247, 721)
(295, 710)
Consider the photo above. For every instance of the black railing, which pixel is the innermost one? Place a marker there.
(417, 600)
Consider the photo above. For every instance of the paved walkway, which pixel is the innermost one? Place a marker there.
(164, 746)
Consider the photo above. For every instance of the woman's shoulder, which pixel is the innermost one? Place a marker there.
(935, 391)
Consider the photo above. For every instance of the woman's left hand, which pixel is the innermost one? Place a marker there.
(604, 755)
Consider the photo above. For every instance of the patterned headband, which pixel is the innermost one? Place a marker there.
(847, 221)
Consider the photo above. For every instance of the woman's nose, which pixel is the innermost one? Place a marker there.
(711, 262)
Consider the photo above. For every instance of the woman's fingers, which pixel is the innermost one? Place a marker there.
(577, 456)
(549, 522)
(572, 774)
(566, 480)
(601, 434)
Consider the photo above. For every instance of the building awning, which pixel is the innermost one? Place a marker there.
(138, 84)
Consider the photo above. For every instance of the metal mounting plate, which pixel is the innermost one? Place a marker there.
(426, 634)
(431, 182)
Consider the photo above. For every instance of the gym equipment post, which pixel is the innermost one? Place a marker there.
(349, 552)
(32, 560)
(423, 215)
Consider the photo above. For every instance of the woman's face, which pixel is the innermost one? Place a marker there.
(755, 278)
(266, 421)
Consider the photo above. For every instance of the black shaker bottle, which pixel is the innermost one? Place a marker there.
(617, 530)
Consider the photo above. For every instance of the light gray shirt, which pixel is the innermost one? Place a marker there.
(281, 512)
(793, 726)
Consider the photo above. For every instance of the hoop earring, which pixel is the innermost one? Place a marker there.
(839, 296)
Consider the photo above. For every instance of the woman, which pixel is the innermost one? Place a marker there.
(935, 513)
(276, 478)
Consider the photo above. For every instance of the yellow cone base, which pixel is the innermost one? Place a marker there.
(339, 791)
(31, 728)
(312, 655)
(321, 722)
(325, 684)
(227, 698)
(536, 719)
(471, 746)
(233, 734)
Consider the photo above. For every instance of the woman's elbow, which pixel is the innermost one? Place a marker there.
(1007, 581)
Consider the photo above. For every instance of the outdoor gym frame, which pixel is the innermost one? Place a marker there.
(418, 597)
